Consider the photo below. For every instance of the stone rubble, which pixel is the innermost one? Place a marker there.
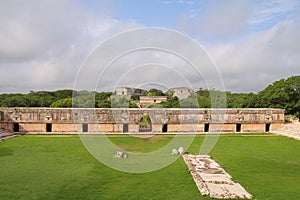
(179, 151)
(121, 154)
(175, 152)
(212, 180)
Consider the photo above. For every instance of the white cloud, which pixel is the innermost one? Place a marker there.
(268, 10)
(42, 43)
(261, 60)
(217, 20)
(250, 55)
(147, 56)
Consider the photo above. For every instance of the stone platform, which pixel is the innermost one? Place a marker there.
(5, 134)
(212, 180)
(291, 130)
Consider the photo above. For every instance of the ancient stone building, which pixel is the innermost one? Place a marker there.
(130, 91)
(146, 101)
(119, 120)
(182, 92)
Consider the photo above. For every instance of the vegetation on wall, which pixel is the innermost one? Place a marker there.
(284, 93)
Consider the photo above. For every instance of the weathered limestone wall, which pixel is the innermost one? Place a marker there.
(259, 127)
(65, 127)
(32, 127)
(224, 127)
(94, 127)
(132, 128)
(146, 101)
(6, 125)
(185, 128)
(276, 126)
(71, 120)
(156, 128)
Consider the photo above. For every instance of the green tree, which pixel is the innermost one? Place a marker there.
(16, 100)
(155, 92)
(120, 101)
(61, 94)
(171, 102)
(103, 95)
(62, 103)
(284, 93)
(103, 104)
(190, 102)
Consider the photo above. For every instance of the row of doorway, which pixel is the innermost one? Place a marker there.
(142, 128)
(145, 128)
(238, 127)
(16, 127)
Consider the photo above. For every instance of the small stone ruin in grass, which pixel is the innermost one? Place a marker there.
(213, 180)
(121, 154)
(179, 151)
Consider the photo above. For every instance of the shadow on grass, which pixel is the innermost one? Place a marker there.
(4, 151)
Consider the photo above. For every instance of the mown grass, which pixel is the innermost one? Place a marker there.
(268, 167)
(33, 167)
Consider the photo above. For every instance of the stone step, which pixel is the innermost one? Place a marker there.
(5, 134)
(290, 130)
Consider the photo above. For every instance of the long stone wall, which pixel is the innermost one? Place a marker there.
(103, 120)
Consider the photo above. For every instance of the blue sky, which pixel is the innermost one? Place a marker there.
(166, 13)
(44, 43)
(151, 13)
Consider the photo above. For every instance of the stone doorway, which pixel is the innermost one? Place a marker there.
(165, 128)
(145, 124)
(16, 127)
(206, 127)
(85, 128)
(125, 128)
(238, 128)
(48, 127)
(268, 127)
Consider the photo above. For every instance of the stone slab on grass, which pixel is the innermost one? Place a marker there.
(213, 180)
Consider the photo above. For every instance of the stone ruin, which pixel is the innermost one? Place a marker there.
(126, 120)
(179, 151)
(213, 180)
(121, 154)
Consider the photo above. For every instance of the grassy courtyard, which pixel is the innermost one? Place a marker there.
(59, 167)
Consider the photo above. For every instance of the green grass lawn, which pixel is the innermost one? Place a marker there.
(59, 167)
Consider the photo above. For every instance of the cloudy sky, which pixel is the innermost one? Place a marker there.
(50, 44)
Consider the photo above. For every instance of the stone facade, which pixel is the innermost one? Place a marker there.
(130, 91)
(146, 101)
(182, 92)
(118, 120)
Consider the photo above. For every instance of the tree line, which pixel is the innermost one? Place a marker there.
(284, 93)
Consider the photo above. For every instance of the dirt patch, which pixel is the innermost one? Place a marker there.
(124, 147)
(155, 138)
